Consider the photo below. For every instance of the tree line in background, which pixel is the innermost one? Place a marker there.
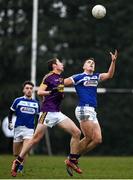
(67, 30)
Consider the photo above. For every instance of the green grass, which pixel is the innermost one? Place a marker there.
(45, 167)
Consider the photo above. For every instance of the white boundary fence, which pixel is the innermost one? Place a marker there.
(103, 90)
(100, 90)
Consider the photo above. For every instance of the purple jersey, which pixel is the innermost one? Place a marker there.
(52, 102)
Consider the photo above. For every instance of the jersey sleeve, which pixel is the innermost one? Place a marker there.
(75, 78)
(14, 105)
(45, 81)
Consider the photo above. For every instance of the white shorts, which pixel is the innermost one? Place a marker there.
(21, 133)
(86, 113)
(50, 119)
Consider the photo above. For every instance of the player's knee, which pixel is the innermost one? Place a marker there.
(97, 140)
(36, 139)
(88, 139)
(77, 133)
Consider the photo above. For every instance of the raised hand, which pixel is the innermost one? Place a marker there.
(114, 56)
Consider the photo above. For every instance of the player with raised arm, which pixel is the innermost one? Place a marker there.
(52, 91)
(26, 110)
(86, 88)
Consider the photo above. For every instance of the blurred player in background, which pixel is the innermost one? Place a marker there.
(52, 91)
(26, 110)
(86, 87)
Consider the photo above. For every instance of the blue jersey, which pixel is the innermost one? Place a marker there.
(25, 110)
(86, 88)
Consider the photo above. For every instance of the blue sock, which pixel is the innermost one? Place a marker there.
(20, 168)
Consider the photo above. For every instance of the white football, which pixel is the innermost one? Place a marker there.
(99, 11)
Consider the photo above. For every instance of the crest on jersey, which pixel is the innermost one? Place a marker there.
(27, 110)
(90, 81)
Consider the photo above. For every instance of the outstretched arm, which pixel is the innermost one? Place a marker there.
(111, 70)
(68, 82)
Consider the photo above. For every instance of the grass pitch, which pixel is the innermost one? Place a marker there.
(45, 167)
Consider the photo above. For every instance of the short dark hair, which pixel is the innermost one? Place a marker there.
(90, 58)
(50, 63)
(27, 82)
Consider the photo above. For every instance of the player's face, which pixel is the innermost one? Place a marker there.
(59, 65)
(89, 65)
(28, 90)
